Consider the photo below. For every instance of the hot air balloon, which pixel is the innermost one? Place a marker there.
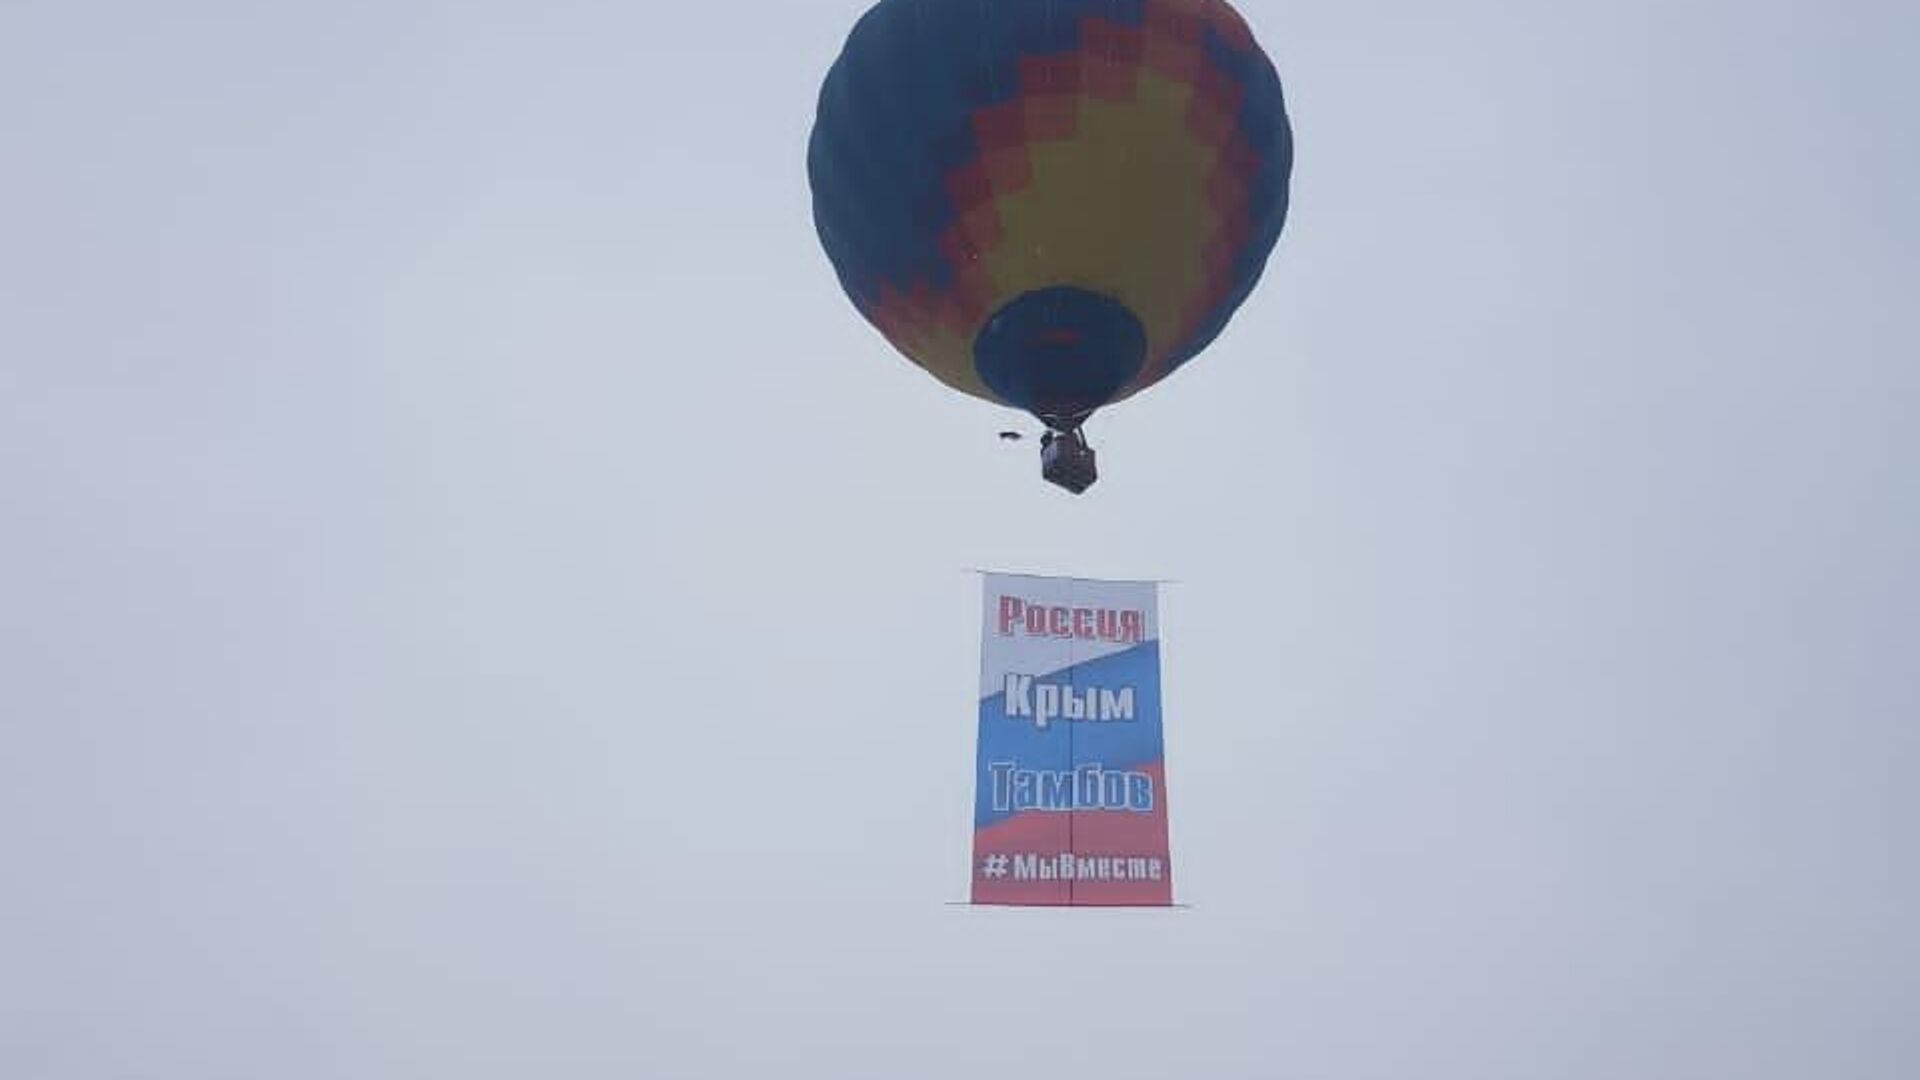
(1050, 204)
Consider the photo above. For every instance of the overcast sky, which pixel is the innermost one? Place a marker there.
(476, 601)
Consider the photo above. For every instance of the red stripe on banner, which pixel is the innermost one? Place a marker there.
(1121, 859)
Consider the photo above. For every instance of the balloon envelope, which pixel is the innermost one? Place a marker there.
(1051, 205)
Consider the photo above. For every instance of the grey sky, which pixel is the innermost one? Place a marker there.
(475, 600)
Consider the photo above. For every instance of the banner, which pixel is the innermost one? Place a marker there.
(1070, 804)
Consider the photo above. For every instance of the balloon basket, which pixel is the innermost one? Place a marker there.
(1067, 461)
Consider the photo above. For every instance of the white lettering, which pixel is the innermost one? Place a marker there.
(1019, 696)
(1026, 697)
(1076, 704)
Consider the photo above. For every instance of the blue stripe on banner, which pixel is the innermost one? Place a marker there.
(1116, 730)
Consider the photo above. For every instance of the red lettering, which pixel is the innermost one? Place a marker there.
(1085, 624)
(1010, 610)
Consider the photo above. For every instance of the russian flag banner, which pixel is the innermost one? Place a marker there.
(1070, 804)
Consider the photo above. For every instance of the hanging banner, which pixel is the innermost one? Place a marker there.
(1070, 805)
